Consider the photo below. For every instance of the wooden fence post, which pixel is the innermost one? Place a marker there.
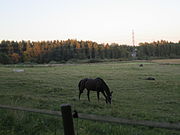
(67, 119)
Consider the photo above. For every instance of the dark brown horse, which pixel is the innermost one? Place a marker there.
(98, 85)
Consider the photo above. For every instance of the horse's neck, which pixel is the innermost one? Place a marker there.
(106, 89)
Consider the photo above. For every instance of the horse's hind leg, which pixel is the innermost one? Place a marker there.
(79, 94)
(81, 87)
(88, 91)
(98, 95)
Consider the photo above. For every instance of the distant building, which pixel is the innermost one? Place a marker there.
(134, 53)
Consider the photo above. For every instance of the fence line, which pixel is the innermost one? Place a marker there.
(166, 125)
(42, 111)
(175, 126)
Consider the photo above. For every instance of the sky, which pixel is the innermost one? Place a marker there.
(102, 21)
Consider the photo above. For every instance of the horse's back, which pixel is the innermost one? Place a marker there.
(91, 84)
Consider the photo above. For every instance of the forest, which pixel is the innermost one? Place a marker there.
(13, 52)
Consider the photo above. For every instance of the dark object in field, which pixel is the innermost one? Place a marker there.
(75, 114)
(98, 85)
(150, 78)
(141, 65)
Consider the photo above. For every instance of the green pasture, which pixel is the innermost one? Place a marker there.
(134, 97)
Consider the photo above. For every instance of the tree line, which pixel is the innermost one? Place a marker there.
(158, 49)
(12, 52)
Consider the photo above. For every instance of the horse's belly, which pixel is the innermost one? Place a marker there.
(91, 86)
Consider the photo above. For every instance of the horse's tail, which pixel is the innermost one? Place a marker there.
(81, 86)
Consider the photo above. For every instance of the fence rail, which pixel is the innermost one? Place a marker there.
(175, 126)
(42, 111)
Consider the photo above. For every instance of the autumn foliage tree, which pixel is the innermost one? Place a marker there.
(61, 51)
(15, 57)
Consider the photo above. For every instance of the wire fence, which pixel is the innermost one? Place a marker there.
(67, 115)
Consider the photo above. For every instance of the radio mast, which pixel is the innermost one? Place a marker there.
(133, 37)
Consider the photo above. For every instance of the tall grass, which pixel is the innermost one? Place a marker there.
(133, 97)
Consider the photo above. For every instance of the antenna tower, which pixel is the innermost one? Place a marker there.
(133, 37)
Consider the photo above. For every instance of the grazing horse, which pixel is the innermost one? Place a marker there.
(98, 85)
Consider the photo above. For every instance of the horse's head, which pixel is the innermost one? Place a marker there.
(109, 97)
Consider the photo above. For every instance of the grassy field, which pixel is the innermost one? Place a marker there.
(134, 97)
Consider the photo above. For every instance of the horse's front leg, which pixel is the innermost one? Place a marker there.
(88, 91)
(105, 96)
